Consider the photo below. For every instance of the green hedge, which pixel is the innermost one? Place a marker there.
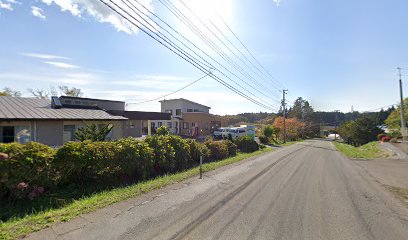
(246, 144)
(27, 167)
(34, 167)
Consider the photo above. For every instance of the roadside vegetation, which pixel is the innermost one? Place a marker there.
(40, 185)
(368, 151)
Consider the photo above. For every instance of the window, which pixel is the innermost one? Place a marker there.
(192, 124)
(189, 110)
(185, 125)
(178, 112)
(206, 126)
(69, 133)
(68, 101)
(77, 102)
(159, 124)
(169, 124)
(196, 110)
(23, 134)
(169, 111)
(241, 130)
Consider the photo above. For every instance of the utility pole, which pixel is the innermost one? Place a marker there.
(284, 115)
(403, 123)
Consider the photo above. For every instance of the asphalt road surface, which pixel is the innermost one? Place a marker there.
(305, 191)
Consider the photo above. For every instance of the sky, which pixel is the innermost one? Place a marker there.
(335, 54)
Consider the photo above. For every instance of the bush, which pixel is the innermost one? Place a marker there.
(246, 144)
(182, 152)
(385, 139)
(135, 158)
(262, 146)
(26, 170)
(163, 131)
(232, 148)
(264, 139)
(196, 150)
(164, 154)
(87, 161)
(268, 131)
(380, 136)
(218, 150)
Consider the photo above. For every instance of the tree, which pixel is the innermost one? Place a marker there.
(268, 131)
(393, 121)
(92, 133)
(72, 92)
(293, 128)
(10, 92)
(39, 93)
(359, 132)
(301, 109)
(163, 130)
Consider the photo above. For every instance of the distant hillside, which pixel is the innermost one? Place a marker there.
(261, 117)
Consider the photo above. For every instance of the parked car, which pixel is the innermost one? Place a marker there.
(219, 133)
(236, 132)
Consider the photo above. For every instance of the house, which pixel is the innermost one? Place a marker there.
(54, 122)
(188, 118)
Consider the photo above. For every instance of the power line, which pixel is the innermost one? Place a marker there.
(171, 93)
(134, 8)
(172, 48)
(196, 30)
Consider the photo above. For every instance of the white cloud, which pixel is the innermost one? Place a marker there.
(61, 65)
(101, 12)
(42, 56)
(38, 12)
(6, 6)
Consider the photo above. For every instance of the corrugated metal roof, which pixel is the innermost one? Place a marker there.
(18, 108)
(138, 115)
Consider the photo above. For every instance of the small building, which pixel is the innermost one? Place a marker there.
(188, 118)
(54, 122)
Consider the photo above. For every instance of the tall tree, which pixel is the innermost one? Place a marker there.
(10, 92)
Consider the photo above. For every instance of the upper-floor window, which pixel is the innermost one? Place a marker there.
(189, 110)
(196, 110)
(178, 112)
(169, 111)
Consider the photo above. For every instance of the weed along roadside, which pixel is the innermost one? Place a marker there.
(92, 177)
(367, 151)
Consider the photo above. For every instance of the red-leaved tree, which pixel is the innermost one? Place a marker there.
(293, 128)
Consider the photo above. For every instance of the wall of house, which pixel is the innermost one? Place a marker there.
(206, 123)
(184, 105)
(132, 128)
(48, 132)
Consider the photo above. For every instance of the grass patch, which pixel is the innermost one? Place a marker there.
(367, 151)
(401, 193)
(19, 227)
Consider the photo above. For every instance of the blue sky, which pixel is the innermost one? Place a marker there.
(334, 53)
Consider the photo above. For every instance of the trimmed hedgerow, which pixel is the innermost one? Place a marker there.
(24, 169)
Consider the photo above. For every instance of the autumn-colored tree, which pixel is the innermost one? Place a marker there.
(293, 128)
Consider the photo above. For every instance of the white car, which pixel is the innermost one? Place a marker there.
(219, 133)
(235, 132)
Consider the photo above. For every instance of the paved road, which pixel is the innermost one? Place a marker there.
(305, 191)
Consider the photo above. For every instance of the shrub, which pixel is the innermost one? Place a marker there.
(87, 161)
(26, 168)
(385, 139)
(380, 136)
(164, 154)
(163, 130)
(262, 146)
(196, 150)
(182, 152)
(92, 133)
(218, 150)
(135, 158)
(246, 144)
(264, 139)
(268, 131)
(232, 148)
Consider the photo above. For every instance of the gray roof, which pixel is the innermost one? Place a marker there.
(18, 108)
(186, 100)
